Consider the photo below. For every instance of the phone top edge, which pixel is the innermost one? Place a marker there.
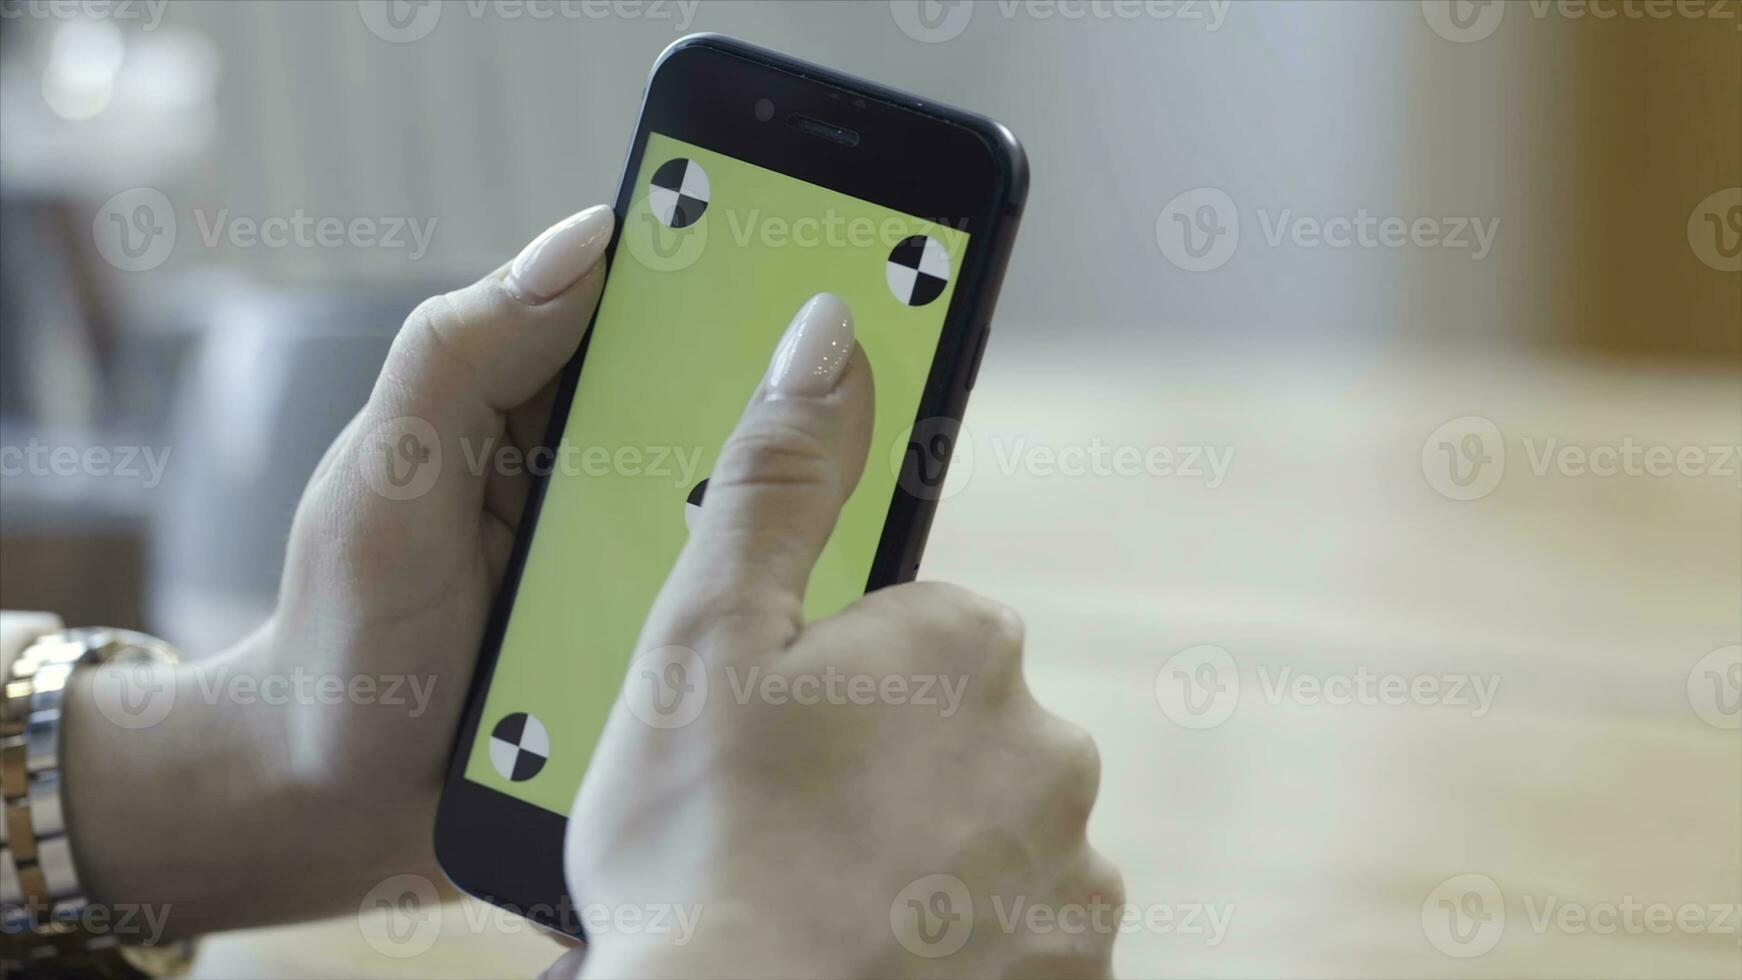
(1006, 150)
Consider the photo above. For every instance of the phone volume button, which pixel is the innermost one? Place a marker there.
(979, 353)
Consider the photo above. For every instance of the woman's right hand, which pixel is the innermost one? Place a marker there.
(876, 793)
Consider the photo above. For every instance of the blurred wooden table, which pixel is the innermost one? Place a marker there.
(1322, 832)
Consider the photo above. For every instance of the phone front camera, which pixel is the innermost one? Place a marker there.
(764, 110)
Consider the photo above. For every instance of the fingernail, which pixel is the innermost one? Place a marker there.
(558, 257)
(814, 351)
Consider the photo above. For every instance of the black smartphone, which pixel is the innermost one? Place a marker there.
(754, 181)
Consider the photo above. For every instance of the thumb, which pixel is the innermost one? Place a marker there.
(465, 358)
(396, 509)
(777, 489)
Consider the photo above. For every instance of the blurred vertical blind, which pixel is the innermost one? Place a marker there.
(484, 127)
(1589, 141)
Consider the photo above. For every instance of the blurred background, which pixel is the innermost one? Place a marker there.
(1436, 309)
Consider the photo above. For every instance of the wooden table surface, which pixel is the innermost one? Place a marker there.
(1358, 838)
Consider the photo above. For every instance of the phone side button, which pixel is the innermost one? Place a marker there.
(979, 353)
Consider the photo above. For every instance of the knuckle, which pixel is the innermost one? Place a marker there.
(735, 620)
(432, 316)
(1106, 881)
(940, 628)
(1000, 625)
(440, 340)
(773, 453)
(719, 614)
(962, 628)
(971, 615)
(423, 351)
(996, 632)
(1079, 764)
(1090, 884)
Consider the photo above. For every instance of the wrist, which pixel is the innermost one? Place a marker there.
(182, 796)
(162, 803)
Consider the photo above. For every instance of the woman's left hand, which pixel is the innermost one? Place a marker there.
(311, 756)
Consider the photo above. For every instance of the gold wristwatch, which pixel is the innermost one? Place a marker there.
(47, 927)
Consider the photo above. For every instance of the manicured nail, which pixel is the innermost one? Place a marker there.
(814, 350)
(558, 257)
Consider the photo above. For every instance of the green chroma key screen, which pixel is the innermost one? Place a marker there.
(715, 257)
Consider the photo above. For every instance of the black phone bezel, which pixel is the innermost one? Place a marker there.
(703, 90)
